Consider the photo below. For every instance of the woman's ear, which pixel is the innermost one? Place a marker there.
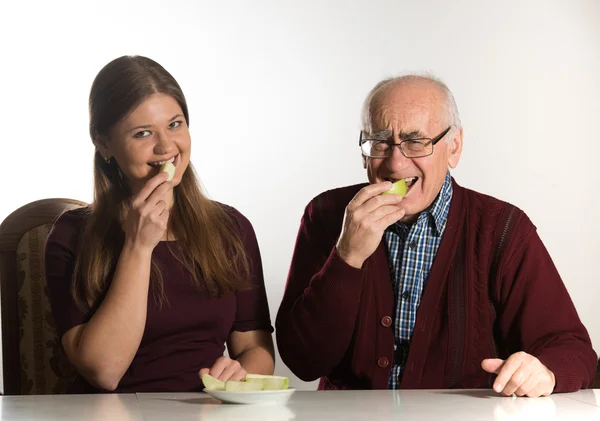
(101, 144)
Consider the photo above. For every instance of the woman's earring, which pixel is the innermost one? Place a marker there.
(107, 159)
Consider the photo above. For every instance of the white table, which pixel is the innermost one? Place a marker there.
(304, 405)
(71, 407)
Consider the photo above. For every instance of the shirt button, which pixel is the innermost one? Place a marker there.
(412, 245)
(383, 362)
(386, 321)
(405, 295)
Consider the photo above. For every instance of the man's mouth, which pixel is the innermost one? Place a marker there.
(410, 181)
(159, 163)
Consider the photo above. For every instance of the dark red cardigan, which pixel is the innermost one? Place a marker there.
(333, 322)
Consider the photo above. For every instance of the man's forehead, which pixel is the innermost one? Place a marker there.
(407, 107)
(406, 120)
(402, 133)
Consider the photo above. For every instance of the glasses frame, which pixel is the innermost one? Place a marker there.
(391, 144)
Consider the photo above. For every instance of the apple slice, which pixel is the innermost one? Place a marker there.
(169, 168)
(212, 383)
(269, 382)
(236, 386)
(399, 187)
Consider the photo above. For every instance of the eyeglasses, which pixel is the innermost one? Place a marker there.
(410, 148)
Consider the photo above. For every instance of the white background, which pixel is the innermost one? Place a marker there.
(275, 90)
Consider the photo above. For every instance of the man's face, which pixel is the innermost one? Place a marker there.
(412, 110)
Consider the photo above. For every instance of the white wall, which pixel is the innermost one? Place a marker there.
(290, 77)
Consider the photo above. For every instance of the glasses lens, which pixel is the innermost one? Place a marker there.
(416, 148)
(374, 148)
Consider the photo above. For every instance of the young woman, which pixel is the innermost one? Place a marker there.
(150, 281)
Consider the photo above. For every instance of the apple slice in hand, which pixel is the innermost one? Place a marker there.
(212, 383)
(169, 168)
(399, 187)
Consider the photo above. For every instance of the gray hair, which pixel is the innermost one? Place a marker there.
(450, 107)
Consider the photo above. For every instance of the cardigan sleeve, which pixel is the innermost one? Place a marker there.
(537, 314)
(318, 313)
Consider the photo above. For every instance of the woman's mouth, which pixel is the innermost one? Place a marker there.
(159, 163)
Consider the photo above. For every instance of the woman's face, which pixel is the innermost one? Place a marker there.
(154, 132)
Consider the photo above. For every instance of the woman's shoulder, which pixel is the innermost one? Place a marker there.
(238, 217)
(68, 227)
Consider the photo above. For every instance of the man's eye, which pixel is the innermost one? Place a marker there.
(143, 133)
(380, 146)
(416, 145)
(175, 124)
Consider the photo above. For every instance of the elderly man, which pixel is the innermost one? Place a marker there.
(444, 288)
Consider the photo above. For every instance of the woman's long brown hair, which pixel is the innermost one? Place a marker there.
(208, 237)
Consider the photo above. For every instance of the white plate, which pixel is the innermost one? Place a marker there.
(256, 397)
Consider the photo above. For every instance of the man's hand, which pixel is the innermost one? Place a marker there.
(367, 216)
(521, 374)
(225, 369)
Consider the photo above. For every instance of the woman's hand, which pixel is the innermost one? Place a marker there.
(148, 216)
(225, 369)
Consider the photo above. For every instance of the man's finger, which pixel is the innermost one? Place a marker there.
(368, 192)
(492, 365)
(392, 218)
(377, 202)
(509, 368)
(517, 380)
(528, 386)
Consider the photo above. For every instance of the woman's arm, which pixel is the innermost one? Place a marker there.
(103, 348)
(253, 350)
(249, 352)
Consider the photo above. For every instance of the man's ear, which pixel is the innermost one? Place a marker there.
(455, 149)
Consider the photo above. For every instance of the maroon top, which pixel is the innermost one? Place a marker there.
(334, 319)
(185, 335)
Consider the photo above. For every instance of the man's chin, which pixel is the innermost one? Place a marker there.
(412, 211)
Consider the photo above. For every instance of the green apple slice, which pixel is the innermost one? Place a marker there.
(269, 382)
(212, 383)
(169, 168)
(399, 187)
(236, 386)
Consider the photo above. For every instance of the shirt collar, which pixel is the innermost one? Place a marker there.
(437, 212)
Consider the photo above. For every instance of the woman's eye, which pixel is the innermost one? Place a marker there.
(175, 124)
(143, 133)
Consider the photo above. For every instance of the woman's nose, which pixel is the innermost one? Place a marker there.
(164, 143)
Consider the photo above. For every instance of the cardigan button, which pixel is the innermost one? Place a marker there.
(383, 362)
(386, 321)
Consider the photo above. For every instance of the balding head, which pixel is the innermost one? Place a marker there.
(425, 86)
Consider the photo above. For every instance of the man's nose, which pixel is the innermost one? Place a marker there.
(396, 159)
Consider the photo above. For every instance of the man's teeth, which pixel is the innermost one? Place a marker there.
(407, 180)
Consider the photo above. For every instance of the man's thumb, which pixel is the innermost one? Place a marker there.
(492, 365)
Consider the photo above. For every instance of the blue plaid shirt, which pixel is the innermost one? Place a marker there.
(411, 250)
